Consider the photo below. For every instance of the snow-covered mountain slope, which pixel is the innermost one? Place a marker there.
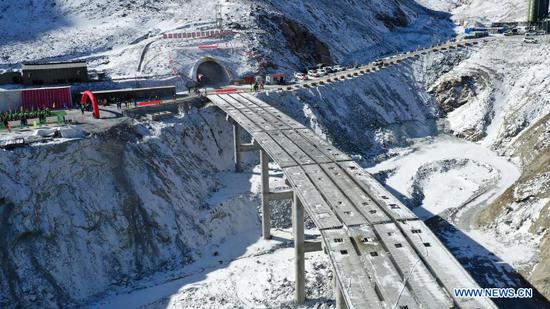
(80, 217)
(498, 96)
(470, 12)
(62, 243)
(354, 32)
(498, 92)
(495, 94)
(34, 30)
(370, 113)
(522, 213)
(271, 35)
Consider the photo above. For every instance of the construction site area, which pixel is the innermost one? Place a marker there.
(256, 154)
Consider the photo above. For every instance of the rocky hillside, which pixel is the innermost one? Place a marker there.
(271, 35)
(82, 216)
(351, 32)
(473, 12)
(523, 211)
(495, 95)
(499, 97)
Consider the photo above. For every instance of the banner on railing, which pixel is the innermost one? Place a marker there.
(198, 34)
(150, 103)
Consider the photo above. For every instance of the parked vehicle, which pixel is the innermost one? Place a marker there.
(476, 35)
(530, 40)
(300, 76)
(338, 68)
(379, 63)
(322, 72)
(312, 74)
(534, 33)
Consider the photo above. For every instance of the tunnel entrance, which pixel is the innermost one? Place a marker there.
(210, 73)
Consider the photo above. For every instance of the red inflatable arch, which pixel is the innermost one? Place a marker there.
(90, 95)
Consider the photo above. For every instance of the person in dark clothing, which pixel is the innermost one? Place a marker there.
(5, 121)
(22, 118)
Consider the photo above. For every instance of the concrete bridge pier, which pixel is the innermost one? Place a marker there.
(267, 194)
(237, 147)
(299, 271)
(266, 210)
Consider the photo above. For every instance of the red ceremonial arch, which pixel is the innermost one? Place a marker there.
(90, 95)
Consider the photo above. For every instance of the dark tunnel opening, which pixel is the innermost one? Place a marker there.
(211, 73)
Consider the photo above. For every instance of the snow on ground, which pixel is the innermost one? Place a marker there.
(515, 254)
(480, 11)
(35, 30)
(262, 277)
(499, 91)
(449, 181)
(459, 171)
(442, 173)
(113, 36)
(511, 90)
(150, 216)
(241, 270)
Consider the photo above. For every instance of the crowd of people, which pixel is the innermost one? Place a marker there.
(24, 116)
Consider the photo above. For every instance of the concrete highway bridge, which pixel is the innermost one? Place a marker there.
(383, 255)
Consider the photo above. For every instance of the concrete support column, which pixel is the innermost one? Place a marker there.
(266, 210)
(298, 224)
(340, 302)
(237, 147)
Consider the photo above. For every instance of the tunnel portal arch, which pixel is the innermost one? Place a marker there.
(210, 72)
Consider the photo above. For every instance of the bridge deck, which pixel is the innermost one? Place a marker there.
(382, 254)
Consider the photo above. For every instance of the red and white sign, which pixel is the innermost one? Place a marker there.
(149, 103)
(226, 90)
(208, 46)
(198, 34)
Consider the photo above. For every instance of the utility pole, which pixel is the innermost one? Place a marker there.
(219, 16)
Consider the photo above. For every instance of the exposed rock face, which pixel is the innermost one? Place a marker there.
(79, 217)
(473, 87)
(296, 34)
(302, 42)
(454, 93)
(398, 19)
